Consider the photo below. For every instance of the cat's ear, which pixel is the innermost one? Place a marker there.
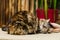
(48, 20)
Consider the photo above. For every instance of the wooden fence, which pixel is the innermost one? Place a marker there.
(9, 7)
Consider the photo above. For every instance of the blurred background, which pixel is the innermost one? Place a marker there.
(9, 7)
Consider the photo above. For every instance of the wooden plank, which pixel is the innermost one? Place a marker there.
(7, 11)
(32, 6)
(19, 5)
(26, 5)
(12, 7)
(23, 1)
(0, 12)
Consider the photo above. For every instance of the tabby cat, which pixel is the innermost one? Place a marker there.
(22, 23)
(45, 25)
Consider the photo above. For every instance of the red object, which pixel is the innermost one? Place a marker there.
(51, 15)
(41, 14)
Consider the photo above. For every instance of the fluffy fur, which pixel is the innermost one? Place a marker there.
(22, 23)
(45, 25)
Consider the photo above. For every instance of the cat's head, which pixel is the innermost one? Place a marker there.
(44, 21)
(44, 24)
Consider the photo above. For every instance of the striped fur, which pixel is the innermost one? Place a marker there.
(22, 23)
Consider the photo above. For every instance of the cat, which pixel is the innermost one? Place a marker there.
(45, 26)
(22, 23)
